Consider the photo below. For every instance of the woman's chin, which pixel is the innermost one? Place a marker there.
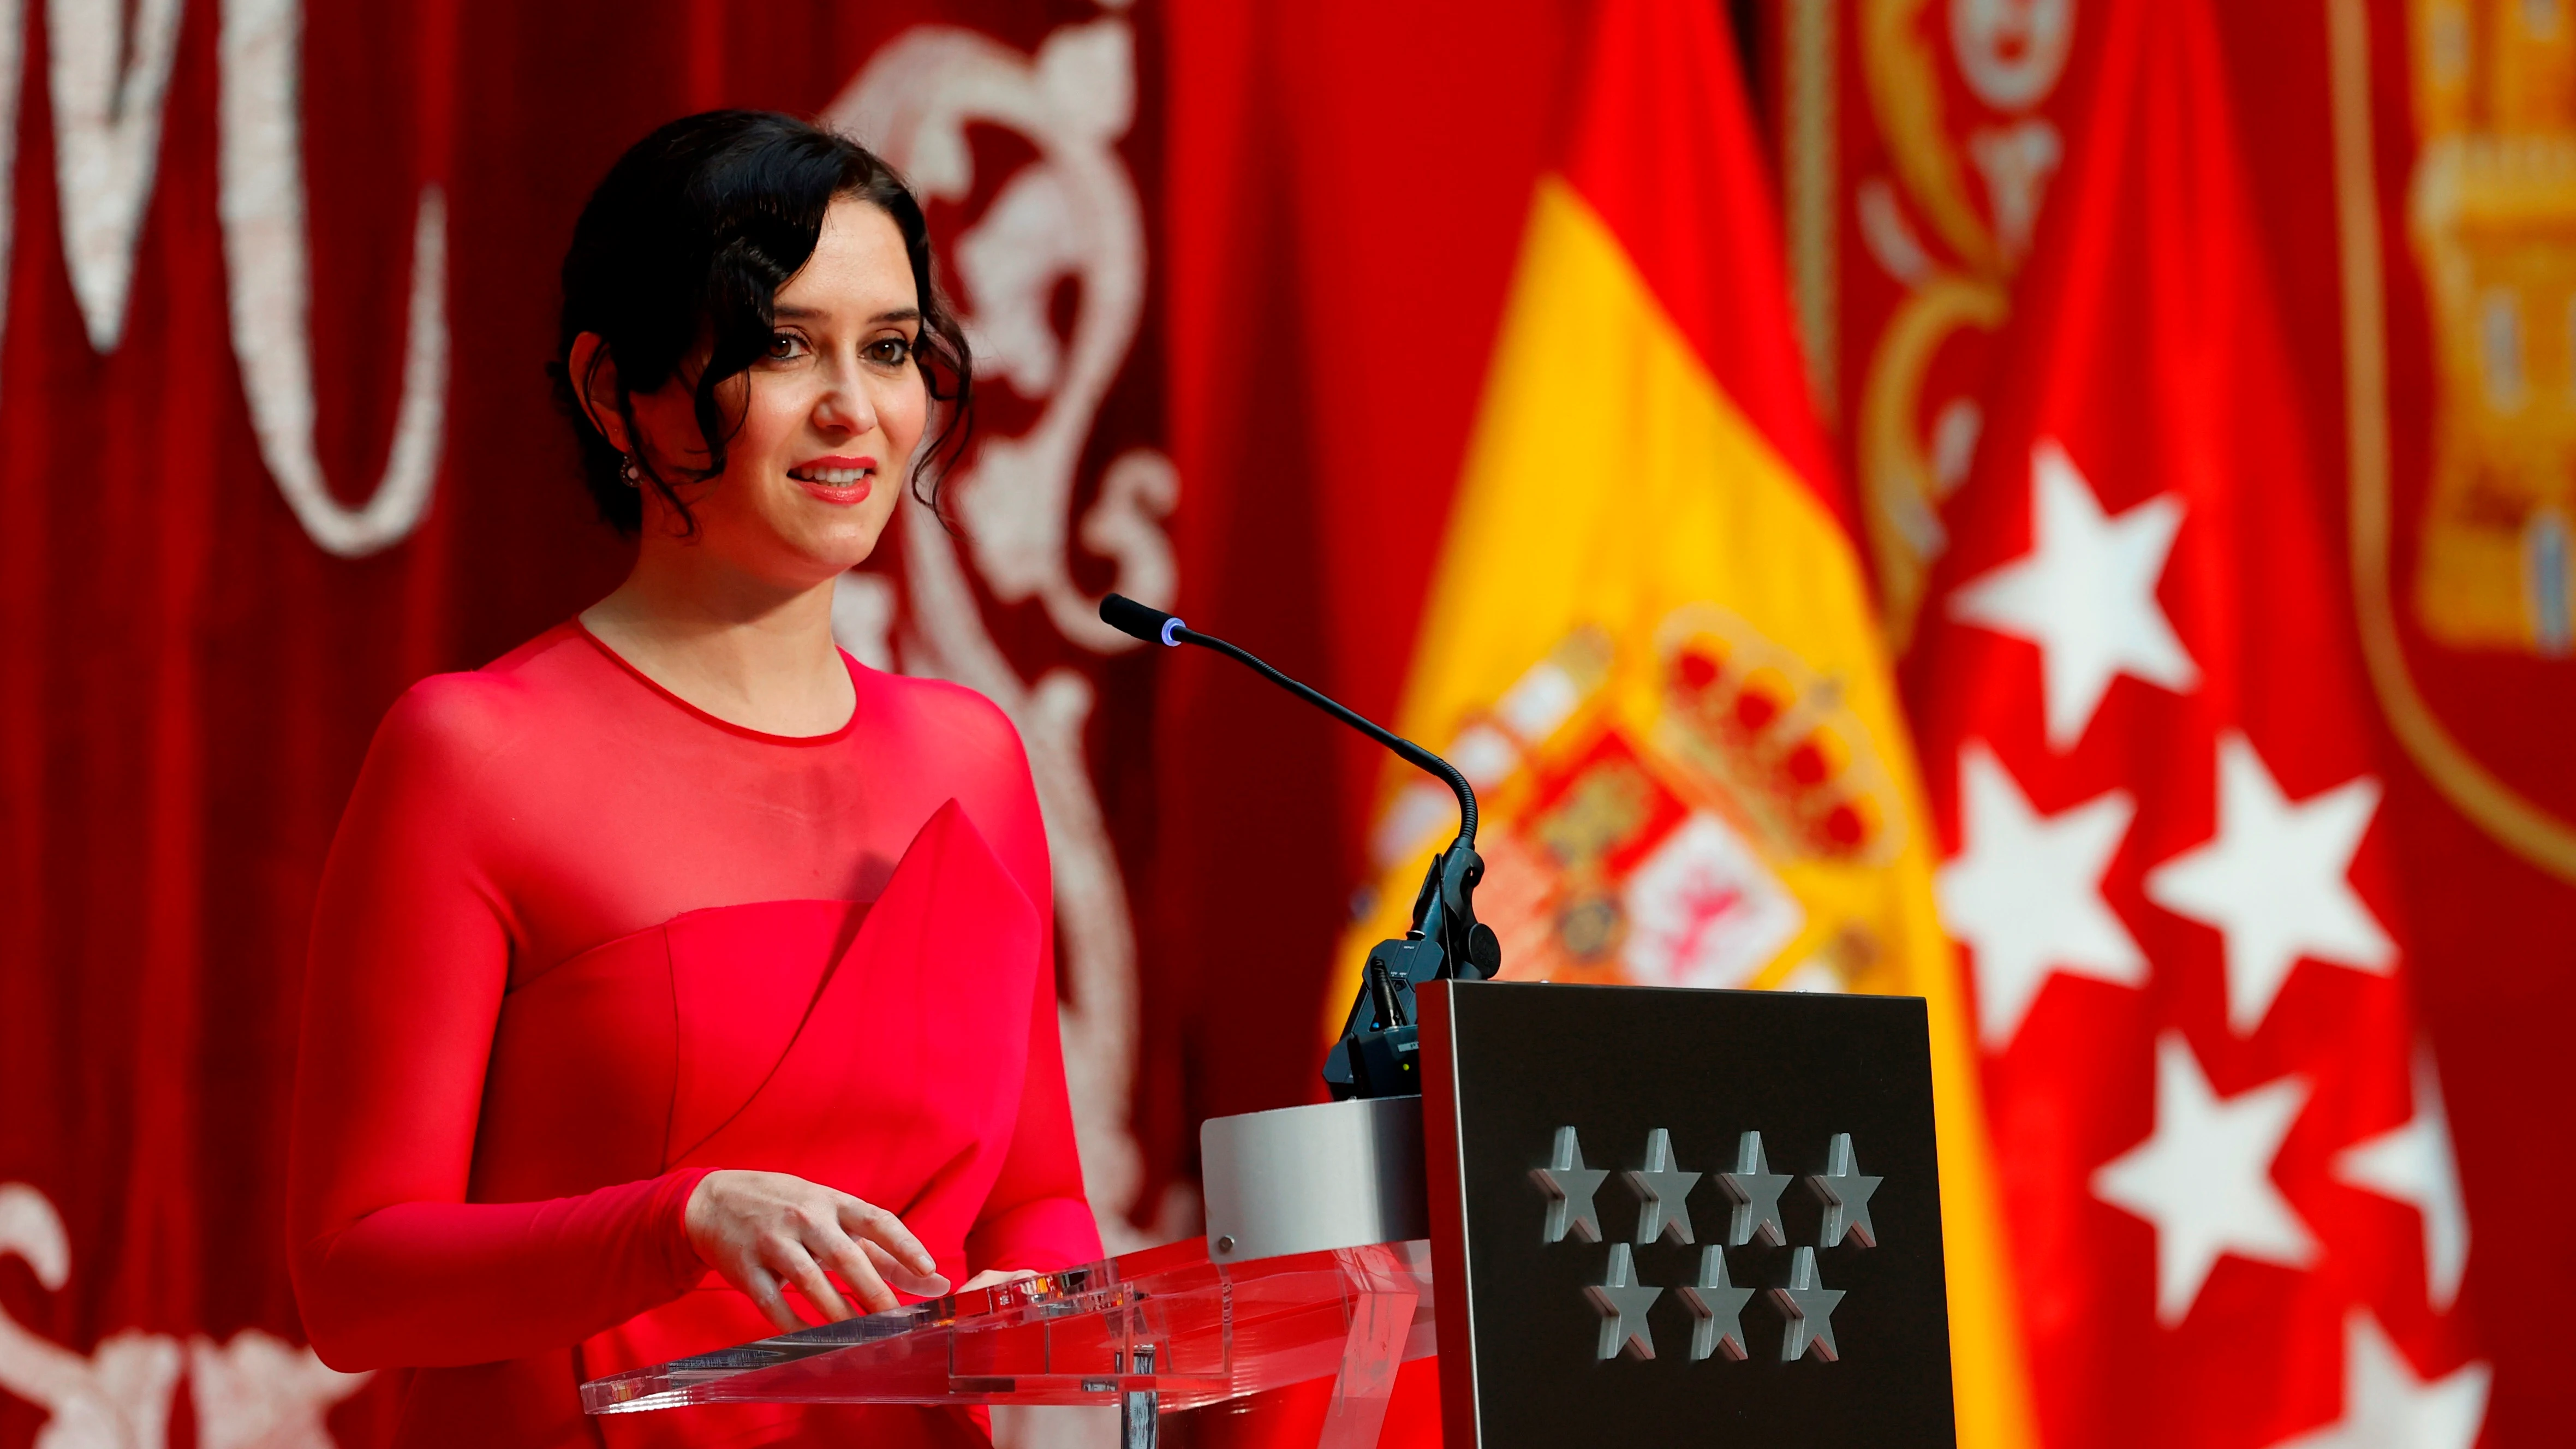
(837, 550)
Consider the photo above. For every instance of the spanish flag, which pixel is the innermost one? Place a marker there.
(1649, 639)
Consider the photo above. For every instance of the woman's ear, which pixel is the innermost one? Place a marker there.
(594, 375)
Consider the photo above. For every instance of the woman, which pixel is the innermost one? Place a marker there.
(676, 978)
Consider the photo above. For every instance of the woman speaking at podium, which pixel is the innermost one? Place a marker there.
(676, 979)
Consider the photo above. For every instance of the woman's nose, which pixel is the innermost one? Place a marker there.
(847, 405)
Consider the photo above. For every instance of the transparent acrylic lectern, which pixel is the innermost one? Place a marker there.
(1152, 1333)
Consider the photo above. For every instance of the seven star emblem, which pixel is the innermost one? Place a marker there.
(1569, 1186)
(1622, 1303)
(1662, 1191)
(2273, 880)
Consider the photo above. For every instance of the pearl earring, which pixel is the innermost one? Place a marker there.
(634, 475)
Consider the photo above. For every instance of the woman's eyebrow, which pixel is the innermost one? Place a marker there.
(787, 313)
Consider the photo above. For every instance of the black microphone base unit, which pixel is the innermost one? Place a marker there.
(1379, 1053)
(1380, 1047)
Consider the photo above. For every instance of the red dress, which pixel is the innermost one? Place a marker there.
(580, 943)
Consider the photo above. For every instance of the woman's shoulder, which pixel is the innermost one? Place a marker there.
(961, 745)
(476, 713)
(946, 721)
(938, 704)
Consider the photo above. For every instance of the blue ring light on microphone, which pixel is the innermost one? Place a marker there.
(1171, 633)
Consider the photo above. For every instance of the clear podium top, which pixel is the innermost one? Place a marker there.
(1165, 1321)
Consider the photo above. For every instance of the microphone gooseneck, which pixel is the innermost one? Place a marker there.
(1379, 1044)
(1153, 626)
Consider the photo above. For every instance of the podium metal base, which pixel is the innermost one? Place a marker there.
(1311, 1179)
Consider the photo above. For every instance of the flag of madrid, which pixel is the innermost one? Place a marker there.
(2229, 1189)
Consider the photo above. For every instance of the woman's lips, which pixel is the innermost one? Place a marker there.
(844, 494)
(841, 480)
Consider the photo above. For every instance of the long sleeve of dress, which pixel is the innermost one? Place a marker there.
(410, 958)
(1037, 1217)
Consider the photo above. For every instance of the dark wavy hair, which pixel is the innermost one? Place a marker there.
(682, 250)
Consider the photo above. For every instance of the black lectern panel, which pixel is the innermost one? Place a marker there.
(1635, 1265)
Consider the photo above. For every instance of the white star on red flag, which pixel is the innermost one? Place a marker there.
(2274, 882)
(2025, 893)
(2204, 1178)
(2387, 1406)
(2085, 594)
(2413, 1164)
(2141, 650)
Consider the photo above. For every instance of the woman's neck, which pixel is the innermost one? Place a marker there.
(747, 649)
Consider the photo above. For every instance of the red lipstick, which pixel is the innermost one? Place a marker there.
(837, 478)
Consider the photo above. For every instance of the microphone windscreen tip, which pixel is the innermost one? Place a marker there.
(1135, 620)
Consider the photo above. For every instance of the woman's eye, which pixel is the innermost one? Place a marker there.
(785, 345)
(890, 351)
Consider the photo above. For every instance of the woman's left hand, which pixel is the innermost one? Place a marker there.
(991, 1276)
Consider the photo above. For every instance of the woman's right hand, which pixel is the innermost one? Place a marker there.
(764, 1230)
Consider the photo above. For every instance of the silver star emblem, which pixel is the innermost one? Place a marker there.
(1663, 1192)
(1808, 1305)
(1756, 1190)
(1718, 1307)
(1846, 1193)
(1569, 1186)
(1622, 1303)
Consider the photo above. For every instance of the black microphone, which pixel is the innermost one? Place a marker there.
(1376, 1054)
(1137, 621)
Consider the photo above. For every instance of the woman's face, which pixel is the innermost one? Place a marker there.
(830, 415)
